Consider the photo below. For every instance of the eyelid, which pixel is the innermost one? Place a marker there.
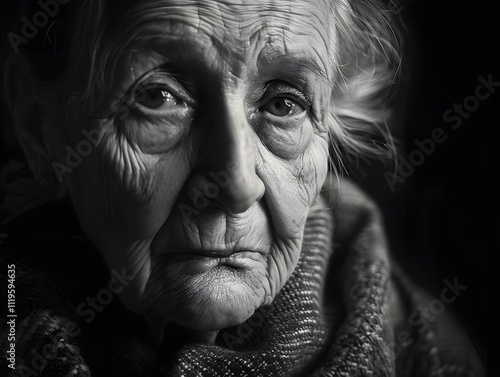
(163, 80)
(280, 89)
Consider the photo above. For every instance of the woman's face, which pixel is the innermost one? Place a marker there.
(211, 151)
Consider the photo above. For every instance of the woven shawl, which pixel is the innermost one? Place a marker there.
(339, 314)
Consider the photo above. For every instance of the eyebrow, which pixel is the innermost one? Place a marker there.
(180, 50)
(274, 62)
(298, 67)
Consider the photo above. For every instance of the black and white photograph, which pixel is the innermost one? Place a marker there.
(248, 188)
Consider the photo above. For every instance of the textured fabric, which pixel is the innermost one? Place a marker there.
(340, 313)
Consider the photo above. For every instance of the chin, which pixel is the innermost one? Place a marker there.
(208, 294)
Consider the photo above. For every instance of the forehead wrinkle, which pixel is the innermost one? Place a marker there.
(238, 26)
(283, 23)
(223, 19)
(303, 50)
(226, 20)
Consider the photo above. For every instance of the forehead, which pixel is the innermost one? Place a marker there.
(242, 29)
(233, 18)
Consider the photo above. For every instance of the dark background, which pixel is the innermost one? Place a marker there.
(442, 220)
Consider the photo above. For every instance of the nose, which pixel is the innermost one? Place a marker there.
(227, 169)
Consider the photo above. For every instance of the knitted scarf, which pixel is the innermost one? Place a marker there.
(344, 312)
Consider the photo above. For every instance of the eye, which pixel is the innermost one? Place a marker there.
(282, 107)
(155, 97)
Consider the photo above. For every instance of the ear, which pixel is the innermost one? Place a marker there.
(28, 99)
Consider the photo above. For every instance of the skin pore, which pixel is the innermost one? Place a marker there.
(231, 89)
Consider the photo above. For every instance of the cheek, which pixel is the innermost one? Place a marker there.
(312, 168)
(293, 185)
(121, 191)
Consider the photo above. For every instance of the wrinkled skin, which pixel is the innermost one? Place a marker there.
(242, 98)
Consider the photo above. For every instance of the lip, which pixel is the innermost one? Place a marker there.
(214, 253)
(199, 261)
(211, 253)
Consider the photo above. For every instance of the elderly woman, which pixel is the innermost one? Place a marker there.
(168, 208)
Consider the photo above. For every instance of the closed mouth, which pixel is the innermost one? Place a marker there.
(199, 261)
(210, 253)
